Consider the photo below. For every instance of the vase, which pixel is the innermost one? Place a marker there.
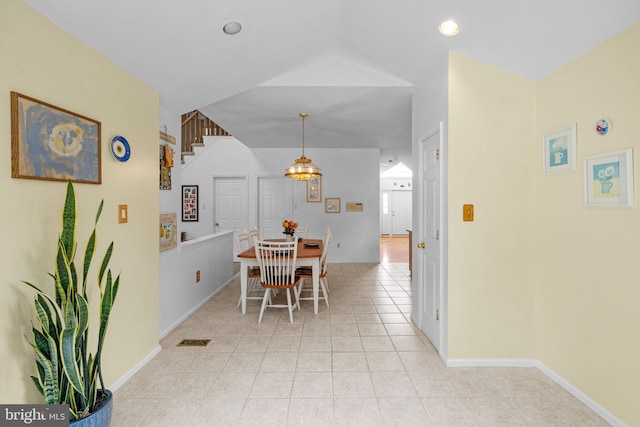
(288, 237)
(99, 418)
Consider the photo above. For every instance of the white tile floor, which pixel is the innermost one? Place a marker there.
(359, 363)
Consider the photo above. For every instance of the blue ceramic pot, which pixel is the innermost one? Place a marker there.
(99, 418)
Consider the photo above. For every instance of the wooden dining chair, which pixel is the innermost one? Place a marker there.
(277, 261)
(305, 273)
(254, 290)
(254, 235)
(303, 232)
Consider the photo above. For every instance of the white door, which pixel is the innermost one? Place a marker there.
(231, 205)
(426, 240)
(401, 211)
(385, 212)
(275, 204)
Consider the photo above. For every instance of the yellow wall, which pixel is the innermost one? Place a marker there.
(491, 165)
(538, 275)
(42, 61)
(588, 293)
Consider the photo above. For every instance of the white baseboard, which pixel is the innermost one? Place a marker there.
(532, 363)
(498, 363)
(126, 377)
(590, 403)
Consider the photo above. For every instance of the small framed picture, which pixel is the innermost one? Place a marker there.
(168, 231)
(559, 150)
(189, 203)
(609, 179)
(314, 189)
(332, 205)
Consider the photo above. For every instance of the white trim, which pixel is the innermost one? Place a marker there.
(532, 363)
(126, 377)
(590, 403)
(498, 363)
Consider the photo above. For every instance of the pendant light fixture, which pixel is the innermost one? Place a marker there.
(302, 169)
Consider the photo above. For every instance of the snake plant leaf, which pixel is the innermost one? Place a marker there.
(48, 382)
(40, 341)
(105, 263)
(88, 256)
(82, 317)
(68, 351)
(69, 212)
(64, 278)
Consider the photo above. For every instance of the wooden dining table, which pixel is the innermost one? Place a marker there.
(307, 257)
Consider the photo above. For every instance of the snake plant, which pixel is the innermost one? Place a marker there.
(68, 372)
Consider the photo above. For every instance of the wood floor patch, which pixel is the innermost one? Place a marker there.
(193, 343)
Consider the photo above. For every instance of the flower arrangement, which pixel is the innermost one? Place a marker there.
(289, 227)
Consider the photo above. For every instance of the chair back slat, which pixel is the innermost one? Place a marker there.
(277, 261)
(325, 252)
(243, 241)
(254, 235)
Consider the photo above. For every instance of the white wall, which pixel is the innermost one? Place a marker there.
(181, 293)
(396, 184)
(344, 172)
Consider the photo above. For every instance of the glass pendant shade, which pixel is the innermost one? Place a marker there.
(302, 169)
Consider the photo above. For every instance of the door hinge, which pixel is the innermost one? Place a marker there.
(437, 234)
(437, 314)
(438, 154)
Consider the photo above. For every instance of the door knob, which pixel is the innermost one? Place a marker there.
(421, 245)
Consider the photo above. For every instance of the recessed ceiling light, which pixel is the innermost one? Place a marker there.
(449, 28)
(232, 28)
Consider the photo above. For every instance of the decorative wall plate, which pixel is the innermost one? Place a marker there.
(120, 148)
(603, 126)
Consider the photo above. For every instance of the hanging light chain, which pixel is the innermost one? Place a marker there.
(304, 116)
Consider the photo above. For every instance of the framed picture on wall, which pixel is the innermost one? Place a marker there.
(314, 189)
(53, 144)
(189, 203)
(332, 205)
(609, 179)
(168, 231)
(559, 150)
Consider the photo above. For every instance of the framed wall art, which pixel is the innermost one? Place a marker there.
(559, 150)
(314, 189)
(53, 144)
(165, 172)
(332, 205)
(609, 179)
(189, 203)
(168, 231)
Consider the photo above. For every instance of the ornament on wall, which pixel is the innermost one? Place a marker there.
(120, 148)
(603, 126)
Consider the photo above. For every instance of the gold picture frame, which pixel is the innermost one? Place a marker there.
(314, 190)
(332, 205)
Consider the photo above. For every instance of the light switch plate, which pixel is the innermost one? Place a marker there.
(123, 214)
(467, 212)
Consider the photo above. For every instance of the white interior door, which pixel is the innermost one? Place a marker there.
(385, 212)
(275, 204)
(401, 211)
(426, 240)
(231, 205)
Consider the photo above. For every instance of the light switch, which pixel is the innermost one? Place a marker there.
(467, 212)
(123, 215)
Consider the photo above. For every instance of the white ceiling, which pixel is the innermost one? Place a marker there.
(352, 65)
